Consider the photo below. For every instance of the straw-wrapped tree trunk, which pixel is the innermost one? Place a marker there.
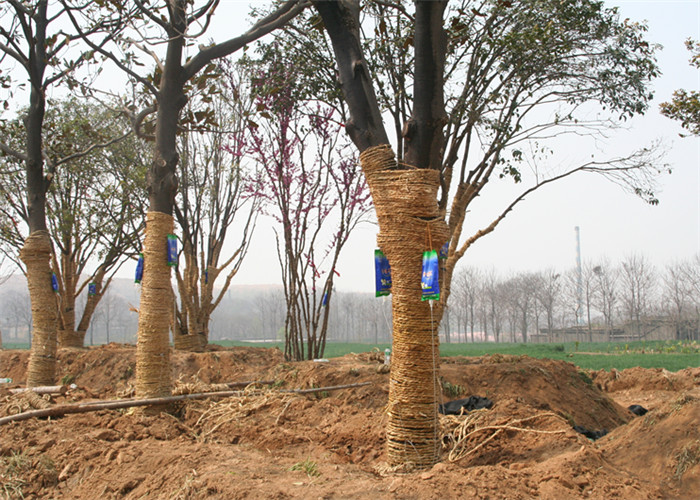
(36, 251)
(405, 196)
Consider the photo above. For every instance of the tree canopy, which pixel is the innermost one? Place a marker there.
(685, 104)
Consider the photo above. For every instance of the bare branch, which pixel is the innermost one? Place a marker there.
(11, 52)
(629, 172)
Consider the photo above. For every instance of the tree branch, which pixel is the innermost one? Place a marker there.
(12, 152)
(287, 11)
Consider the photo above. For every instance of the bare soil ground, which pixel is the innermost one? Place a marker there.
(267, 444)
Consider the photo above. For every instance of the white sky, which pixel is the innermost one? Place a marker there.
(539, 233)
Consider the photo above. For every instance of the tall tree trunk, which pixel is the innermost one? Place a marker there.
(155, 311)
(90, 307)
(36, 252)
(190, 335)
(410, 222)
(156, 306)
(67, 336)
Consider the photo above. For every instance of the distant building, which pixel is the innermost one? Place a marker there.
(659, 328)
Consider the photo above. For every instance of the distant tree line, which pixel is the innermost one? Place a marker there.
(631, 299)
(606, 301)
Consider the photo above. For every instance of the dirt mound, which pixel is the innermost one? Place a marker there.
(647, 378)
(649, 387)
(539, 383)
(330, 444)
(106, 371)
(666, 440)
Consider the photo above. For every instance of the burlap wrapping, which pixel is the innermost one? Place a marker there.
(155, 311)
(410, 223)
(36, 255)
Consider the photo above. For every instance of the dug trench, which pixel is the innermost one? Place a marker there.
(263, 443)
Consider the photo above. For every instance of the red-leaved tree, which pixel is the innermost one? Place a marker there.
(310, 183)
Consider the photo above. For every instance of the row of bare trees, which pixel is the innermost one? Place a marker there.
(628, 300)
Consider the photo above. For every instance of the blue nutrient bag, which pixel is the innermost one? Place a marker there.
(54, 282)
(382, 274)
(139, 269)
(430, 284)
(444, 251)
(92, 289)
(324, 302)
(172, 250)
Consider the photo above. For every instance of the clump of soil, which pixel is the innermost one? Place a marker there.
(330, 444)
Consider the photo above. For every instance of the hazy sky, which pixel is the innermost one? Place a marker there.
(539, 233)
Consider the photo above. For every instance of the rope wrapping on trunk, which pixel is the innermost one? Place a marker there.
(155, 311)
(405, 199)
(36, 255)
(71, 338)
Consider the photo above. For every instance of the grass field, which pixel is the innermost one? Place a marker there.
(672, 356)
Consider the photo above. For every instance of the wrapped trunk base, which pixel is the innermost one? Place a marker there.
(36, 255)
(155, 312)
(193, 342)
(71, 338)
(410, 222)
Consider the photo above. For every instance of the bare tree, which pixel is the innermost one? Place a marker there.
(549, 295)
(588, 290)
(572, 301)
(511, 294)
(494, 292)
(638, 288)
(691, 273)
(606, 294)
(18, 307)
(309, 179)
(271, 306)
(213, 196)
(470, 283)
(677, 298)
(527, 286)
